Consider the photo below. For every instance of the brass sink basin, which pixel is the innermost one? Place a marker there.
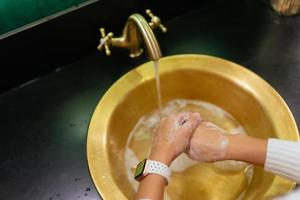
(246, 96)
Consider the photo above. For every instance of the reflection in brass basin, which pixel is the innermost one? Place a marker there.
(252, 101)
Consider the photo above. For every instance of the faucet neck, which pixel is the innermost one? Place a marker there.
(136, 32)
(137, 27)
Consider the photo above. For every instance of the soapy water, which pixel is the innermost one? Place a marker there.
(140, 139)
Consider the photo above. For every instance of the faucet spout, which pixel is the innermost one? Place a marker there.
(136, 32)
(137, 35)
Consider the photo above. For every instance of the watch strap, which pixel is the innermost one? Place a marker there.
(155, 167)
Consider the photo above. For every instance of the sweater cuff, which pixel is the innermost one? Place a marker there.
(283, 158)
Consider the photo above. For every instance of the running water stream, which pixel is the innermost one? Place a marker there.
(157, 81)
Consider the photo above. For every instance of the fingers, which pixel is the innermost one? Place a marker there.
(208, 143)
(190, 121)
(182, 123)
(183, 117)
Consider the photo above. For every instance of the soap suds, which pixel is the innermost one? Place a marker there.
(208, 146)
(131, 161)
(237, 130)
(181, 163)
(212, 126)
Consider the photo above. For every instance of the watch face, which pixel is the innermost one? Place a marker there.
(140, 169)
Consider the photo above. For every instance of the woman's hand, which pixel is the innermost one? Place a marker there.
(208, 143)
(172, 136)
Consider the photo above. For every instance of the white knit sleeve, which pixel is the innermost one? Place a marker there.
(283, 158)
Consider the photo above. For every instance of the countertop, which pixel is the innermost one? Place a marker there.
(44, 123)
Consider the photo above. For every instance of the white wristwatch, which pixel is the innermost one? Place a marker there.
(147, 166)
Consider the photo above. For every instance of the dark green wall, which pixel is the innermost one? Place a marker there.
(17, 13)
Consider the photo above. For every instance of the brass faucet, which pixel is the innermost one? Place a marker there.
(136, 31)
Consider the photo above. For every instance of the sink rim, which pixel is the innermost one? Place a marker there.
(97, 154)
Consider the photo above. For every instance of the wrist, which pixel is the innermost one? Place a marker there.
(247, 149)
(161, 155)
(233, 152)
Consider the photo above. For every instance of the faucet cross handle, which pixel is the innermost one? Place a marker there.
(105, 41)
(155, 21)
